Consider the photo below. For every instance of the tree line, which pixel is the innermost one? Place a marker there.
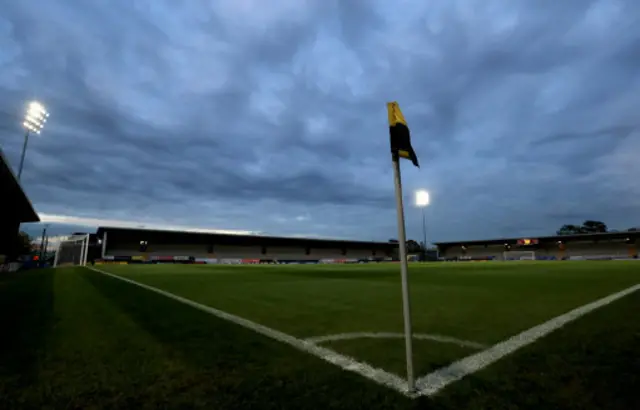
(588, 226)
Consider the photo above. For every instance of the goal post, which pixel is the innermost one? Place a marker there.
(519, 256)
(72, 251)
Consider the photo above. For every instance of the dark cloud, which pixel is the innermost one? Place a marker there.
(270, 116)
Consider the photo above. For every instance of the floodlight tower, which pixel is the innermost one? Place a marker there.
(422, 201)
(33, 122)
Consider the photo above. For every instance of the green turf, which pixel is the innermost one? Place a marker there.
(107, 344)
(389, 354)
(593, 363)
(78, 339)
(483, 302)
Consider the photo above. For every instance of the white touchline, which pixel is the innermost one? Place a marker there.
(437, 380)
(386, 335)
(345, 362)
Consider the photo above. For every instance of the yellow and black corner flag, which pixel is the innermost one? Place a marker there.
(399, 134)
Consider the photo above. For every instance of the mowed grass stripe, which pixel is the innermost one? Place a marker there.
(114, 345)
(98, 353)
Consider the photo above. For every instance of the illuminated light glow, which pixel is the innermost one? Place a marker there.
(39, 113)
(36, 106)
(34, 121)
(35, 117)
(422, 198)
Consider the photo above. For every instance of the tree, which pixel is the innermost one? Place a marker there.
(21, 246)
(569, 230)
(587, 226)
(594, 226)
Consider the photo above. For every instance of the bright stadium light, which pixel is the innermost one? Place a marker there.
(34, 121)
(422, 198)
(422, 201)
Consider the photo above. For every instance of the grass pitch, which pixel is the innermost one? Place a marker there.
(73, 338)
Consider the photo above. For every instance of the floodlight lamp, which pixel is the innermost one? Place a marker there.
(422, 198)
(35, 117)
(33, 120)
(36, 106)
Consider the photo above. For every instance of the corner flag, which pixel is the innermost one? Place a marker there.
(399, 134)
(401, 148)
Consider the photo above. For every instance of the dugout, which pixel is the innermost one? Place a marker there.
(607, 245)
(147, 244)
(16, 209)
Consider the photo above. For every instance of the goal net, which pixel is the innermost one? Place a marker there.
(72, 251)
(520, 256)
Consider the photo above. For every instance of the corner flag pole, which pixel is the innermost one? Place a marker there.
(406, 303)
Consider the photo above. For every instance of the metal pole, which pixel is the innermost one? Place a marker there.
(55, 258)
(86, 251)
(404, 268)
(104, 245)
(46, 245)
(24, 151)
(44, 232)
(424, 232)
(81, 252)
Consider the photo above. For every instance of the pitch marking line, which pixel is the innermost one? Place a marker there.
(437, 380)
(385, 335)
(344, 362)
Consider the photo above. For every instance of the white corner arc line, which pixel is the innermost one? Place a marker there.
(437, 380)
(344, 362)
(388, 335)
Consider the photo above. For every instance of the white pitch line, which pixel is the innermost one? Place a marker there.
(437, 380)
(385, 335)
(344, 362)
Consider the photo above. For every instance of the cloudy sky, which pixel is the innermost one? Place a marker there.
(269, 115)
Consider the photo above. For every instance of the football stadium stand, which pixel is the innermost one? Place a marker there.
(612, 245)
(126, 245)
(16, 209)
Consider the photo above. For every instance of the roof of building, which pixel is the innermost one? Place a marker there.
(232, 239)
(547, 239)
(15, 203)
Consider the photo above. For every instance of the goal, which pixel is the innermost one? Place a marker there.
(72, 251)
(519, 256)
